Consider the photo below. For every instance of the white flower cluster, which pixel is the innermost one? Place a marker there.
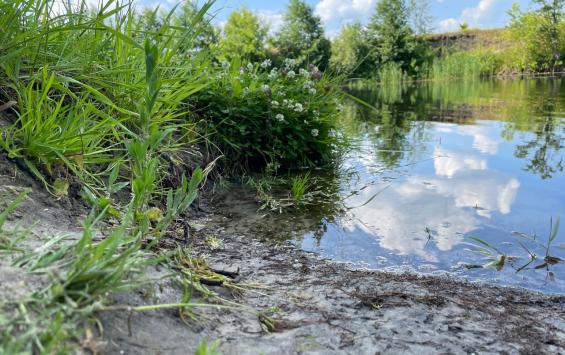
(289, 63)
(280, 117)
(275, 103)
(335, 134)
(292, 105)
(249, 67)
(273, 74)
(309, 87)
(291, 74)
(304, 73)
(288, 103)
(226, 64)
(266, 64)
(314, 132)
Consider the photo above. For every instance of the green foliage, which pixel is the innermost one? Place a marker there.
(551, 11)
(538, 41)
(390, 35)
(302, 37)
(533, 42)
(77, 79)
(299, 187)
(388, 48)
(49, 134)
(420, 19)
(208, 349)
(465, 64)
(350, 53)
(497, 259)
(114, 100)
(243, 37)
(198, 25)
(62, 121)
(258, 115)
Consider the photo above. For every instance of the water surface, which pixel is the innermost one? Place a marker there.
(438, 163)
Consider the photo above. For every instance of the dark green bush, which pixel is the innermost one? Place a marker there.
(256, 114)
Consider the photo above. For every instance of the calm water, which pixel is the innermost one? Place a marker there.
(439, 163)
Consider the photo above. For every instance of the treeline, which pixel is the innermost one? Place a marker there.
(392, 48)
(395, 45)
(246, 37)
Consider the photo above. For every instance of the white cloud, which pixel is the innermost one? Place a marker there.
(486, 191)
(449, 25)
(272, 19)
(483, 140)
(448, 163)
(477, 15)
(486, 13)
(330, 10)
(401, 213)
(450, 207)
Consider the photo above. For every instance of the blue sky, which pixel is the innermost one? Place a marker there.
(447, 13)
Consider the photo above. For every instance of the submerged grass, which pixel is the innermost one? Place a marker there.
(498, 259)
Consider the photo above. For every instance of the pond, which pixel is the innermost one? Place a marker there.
(435, 165)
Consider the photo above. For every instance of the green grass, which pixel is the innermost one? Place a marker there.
(299, 186)
(125, 113)
(498, 259)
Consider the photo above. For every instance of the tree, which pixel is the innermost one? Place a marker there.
(350, 51)
(539, 37)
(543, 152)
(150, 20)
(420, 18)
(193, 20)
(552, 13)
(243, 37)
(390, 35)
(302, 36)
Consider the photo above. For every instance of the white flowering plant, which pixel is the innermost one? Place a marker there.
(257, 114)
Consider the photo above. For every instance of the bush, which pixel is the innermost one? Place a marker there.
(257, 114)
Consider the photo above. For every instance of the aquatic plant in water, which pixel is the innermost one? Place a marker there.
(498, 259)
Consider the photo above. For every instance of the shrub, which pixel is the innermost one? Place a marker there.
(257, 114)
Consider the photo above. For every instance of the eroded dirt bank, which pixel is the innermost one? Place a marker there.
(322, 307)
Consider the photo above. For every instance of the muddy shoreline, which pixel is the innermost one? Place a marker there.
(294, 302)
(318, 306)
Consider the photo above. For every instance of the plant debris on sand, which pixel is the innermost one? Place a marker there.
(277, 299)
(310, 305)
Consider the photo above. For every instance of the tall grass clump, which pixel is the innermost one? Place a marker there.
(472, 64)
(76, 76)
(97, 103)
(392, 74)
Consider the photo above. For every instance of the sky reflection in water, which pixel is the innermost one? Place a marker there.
(483, 163)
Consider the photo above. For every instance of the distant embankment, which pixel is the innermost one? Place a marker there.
(470, 39)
